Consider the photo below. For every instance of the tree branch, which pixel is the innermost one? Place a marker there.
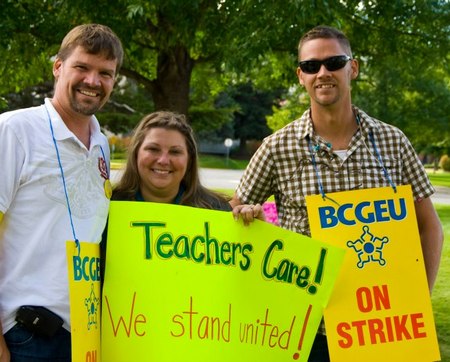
(148, 84)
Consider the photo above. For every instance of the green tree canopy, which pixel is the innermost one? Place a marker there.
(402, 47)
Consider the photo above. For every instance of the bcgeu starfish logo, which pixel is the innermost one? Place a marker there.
(368, 248)
(91, 303)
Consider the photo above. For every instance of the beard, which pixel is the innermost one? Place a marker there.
(89, 106)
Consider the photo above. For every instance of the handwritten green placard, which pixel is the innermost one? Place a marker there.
(189, 284)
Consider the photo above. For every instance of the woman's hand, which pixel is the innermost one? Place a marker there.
(248, 213)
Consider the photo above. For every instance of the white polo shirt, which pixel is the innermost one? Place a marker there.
(36, 223)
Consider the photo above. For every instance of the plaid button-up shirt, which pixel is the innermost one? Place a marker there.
(283, 166)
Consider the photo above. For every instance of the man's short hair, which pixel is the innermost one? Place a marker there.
(325, 32)
(95, 39)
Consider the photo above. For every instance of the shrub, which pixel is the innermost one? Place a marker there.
(444, 163)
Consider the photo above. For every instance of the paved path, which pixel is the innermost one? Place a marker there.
(442, 195)
(210, 177)
(220, 179)
(229, 179)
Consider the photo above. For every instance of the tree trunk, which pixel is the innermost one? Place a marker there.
(170, 89)
(242, 152)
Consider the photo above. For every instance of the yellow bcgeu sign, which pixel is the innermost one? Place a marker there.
(188, 284)
(84, 284)
(380, 309)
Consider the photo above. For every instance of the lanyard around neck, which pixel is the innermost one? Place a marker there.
(377, 154)
(377, 157)
(61, 170)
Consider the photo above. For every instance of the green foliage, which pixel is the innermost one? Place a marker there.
(444, 163)
(295, 102)
(274, 69)
(402, 47)
(238, 111)
(254, 105)
(127, 105)
(404, 51)
(205, 118)
(3, 104)
(30, 33)
(207, 113)
(117, 122)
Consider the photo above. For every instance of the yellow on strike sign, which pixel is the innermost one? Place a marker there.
(84, 284)
(380, 309)
(188, 284)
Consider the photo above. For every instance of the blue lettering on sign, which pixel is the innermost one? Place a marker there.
(365, 212)
(86, 268)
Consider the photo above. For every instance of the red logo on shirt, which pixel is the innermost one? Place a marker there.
(102, 168)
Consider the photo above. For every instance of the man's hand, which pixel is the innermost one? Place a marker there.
(4, 351)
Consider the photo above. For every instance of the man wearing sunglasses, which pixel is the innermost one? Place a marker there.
(335, 146)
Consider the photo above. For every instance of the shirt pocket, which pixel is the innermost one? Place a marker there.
(370, 173)
(293, 187)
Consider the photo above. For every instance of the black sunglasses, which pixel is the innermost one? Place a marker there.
(331, 63)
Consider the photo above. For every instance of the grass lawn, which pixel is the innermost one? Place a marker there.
(211, 161)
(439, 178)
(441, 291)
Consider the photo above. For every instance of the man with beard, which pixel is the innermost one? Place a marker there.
(54, 187)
